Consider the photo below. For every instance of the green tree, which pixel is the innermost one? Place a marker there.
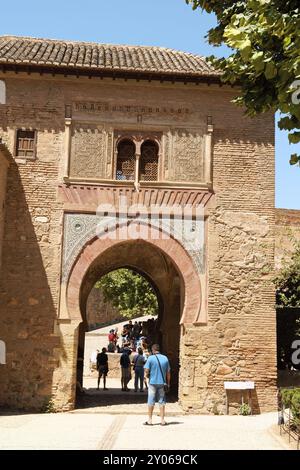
(265, 59)
(129, 292)
(288, 282)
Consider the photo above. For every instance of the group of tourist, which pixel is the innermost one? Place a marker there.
(135, 348)
(126, 362)
(138, 354)
(153, 367)
(134, 336)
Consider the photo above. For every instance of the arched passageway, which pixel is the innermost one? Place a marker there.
(163, 261)
(166, 281)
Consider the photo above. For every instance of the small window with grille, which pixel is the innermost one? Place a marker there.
(149, 161)
(26, 144)
(125, 160)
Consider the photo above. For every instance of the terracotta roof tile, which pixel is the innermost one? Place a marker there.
(102, 57)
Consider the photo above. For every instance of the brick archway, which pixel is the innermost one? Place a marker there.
(96, 247)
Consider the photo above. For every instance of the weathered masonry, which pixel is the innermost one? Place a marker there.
(84, 125)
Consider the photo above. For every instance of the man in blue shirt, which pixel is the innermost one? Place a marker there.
(157, 370)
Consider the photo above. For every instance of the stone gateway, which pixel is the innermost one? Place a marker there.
(85, 126)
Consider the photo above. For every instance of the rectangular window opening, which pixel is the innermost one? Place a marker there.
(26, 144)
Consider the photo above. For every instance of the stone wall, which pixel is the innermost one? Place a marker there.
(287, 234)
(100, 312)
(238, 341)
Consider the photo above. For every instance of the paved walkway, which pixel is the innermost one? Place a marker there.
(114, 401)
(112, 432)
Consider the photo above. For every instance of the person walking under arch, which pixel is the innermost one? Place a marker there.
(157, 370)
(102, 367)
(125, 369)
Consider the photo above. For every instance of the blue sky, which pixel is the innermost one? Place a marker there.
(169, 23)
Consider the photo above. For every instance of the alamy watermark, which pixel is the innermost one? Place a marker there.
(296, 354)
(122, 221)
(296, 94)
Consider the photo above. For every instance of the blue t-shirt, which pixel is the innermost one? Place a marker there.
(153, 366)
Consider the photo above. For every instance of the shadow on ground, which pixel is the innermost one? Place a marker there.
(113, 396)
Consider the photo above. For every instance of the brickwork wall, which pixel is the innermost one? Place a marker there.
(3, 177)
(238, 342)
(29, 283)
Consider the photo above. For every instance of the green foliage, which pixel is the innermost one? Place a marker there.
(291, 399)
(286, 396)
(295, 405)
(129, 292)
(288, 282)
(49, 406)
(245, 409)
(265, 59)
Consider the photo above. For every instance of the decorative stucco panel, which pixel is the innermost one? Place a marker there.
(187, 156)
(88, 152)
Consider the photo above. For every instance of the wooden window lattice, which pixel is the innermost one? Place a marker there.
(149, 161)
(25, 144)
(125, 160)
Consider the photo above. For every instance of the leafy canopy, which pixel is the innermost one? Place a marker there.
(129, 292)
(265, 59)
